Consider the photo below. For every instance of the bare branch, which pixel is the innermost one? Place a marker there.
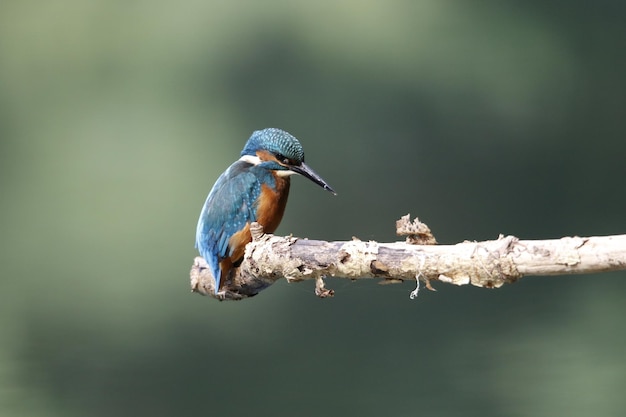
(488, 264)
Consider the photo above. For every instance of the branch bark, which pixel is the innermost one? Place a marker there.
(488, 264)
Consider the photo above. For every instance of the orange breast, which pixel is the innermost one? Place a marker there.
(272, 203)
(270, 209)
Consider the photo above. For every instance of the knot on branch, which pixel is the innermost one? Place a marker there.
(486, 264)
(416, 232)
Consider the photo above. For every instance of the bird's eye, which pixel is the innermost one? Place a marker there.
(282, 158)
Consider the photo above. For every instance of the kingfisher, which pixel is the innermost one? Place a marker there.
(253, 189)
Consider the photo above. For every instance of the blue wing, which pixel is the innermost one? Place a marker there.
(229, 206)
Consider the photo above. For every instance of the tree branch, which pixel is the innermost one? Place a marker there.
(488, 264)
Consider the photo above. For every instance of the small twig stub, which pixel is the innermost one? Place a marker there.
(416, 232)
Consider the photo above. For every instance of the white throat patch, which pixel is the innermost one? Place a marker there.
(254, 160)
(284, 173)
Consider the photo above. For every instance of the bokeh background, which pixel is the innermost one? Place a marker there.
(481, 118)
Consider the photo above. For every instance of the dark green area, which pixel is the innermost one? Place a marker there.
(117, 117)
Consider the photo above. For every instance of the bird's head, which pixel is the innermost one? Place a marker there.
(281, 152)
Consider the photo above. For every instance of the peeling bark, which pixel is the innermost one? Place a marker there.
(488, 264)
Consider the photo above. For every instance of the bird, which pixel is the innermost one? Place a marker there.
(254, 188)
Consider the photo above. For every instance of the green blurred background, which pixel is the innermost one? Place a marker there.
(481, 118)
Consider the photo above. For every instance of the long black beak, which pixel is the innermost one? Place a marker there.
(304, 170)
